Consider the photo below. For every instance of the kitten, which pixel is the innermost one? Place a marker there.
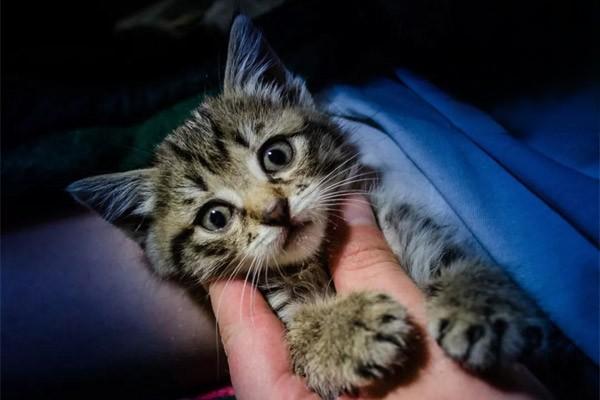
(247, 185)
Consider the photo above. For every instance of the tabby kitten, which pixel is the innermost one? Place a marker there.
(245, 188)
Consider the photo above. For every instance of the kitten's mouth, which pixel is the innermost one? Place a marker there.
(298, 241)
(295, 233)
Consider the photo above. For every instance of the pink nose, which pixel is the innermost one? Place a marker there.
(278, 213)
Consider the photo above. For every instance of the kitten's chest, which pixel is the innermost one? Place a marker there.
(289, 288)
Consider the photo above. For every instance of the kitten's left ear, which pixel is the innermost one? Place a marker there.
(252, 65)
(124, 199)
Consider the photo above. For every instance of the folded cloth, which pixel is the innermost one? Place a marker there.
(533, 215)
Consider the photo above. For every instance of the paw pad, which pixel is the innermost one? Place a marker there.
(481, 340)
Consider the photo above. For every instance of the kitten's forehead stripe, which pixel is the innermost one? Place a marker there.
(181, 152)
(209, 161)
(214, 127)
(223, 155)
(239, 139)
(198, 181)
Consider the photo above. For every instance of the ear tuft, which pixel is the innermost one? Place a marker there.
(252, 66)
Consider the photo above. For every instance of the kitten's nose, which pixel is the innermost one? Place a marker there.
(277, 213)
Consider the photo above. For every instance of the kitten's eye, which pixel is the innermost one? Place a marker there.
(276, 156)
(215, 216)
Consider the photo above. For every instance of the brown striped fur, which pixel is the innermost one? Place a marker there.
(277, 231)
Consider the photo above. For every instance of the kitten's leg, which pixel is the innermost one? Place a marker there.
(476, 313)
(340, 343)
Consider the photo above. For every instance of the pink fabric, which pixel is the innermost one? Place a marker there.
(217, 394)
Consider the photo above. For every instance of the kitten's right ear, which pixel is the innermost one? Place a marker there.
(252, 64)
(125, 199)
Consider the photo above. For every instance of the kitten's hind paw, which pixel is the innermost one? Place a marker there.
(348, 342)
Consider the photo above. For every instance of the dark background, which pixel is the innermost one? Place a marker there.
(67, 69)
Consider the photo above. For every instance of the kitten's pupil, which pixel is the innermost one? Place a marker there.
(277, 157)
(217, 218)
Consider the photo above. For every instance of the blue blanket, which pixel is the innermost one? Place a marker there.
(521, 184)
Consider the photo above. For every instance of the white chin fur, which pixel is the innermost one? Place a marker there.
(304, 246)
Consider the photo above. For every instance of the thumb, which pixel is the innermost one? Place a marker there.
(254, 342)
(364, 261)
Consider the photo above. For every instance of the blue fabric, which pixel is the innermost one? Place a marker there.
(531, 206)
(561, 123)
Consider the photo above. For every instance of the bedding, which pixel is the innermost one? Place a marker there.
(530, 206)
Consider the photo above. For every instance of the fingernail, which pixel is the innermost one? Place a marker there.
(357, 211)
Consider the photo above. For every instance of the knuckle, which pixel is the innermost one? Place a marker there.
(359, 256)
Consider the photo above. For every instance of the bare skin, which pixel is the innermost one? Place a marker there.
(253, 337)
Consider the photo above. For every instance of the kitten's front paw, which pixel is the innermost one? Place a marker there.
(348, 342)
(484, 328)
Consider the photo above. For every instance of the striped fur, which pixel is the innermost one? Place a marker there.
(338, 343)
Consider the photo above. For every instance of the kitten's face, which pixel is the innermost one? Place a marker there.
(247, 183)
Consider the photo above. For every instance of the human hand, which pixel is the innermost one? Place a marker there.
(254, 339)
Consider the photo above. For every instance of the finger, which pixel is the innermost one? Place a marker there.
(364, 261)
(253, 339)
